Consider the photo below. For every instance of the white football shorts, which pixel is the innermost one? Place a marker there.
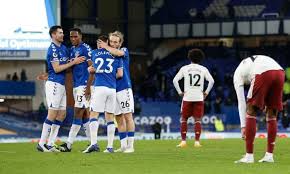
(55, 95)
(103, 99)
(80, 98)
(125, 102)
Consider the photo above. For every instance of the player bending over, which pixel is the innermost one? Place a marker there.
(266, 79)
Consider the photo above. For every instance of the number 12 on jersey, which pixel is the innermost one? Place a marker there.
(194, 79)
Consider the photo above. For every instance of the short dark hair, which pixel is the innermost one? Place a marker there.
(77, 30)
(53, 29)
(195, 55)
(103, 38)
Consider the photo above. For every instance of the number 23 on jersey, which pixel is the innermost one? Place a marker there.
(104, 66)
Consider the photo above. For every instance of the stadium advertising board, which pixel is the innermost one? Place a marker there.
(25, 26)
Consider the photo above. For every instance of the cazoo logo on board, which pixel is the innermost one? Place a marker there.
(167, 120)
(150, 120)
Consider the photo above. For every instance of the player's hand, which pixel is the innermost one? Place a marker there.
(181, 94)
(42, 76)
(88, 93)
(101, 43)
(91, 69)
(243, 132)
(79, 60)
(204, 95)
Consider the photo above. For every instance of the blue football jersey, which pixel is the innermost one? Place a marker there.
(56, 54)
(80, 71)
(106, 68)
(125, 81)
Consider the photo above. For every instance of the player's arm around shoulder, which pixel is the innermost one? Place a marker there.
(113, 51)
(59, 68)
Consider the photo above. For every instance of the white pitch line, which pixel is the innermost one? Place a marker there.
(6, 152)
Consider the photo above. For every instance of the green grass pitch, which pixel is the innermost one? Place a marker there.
(154, 156)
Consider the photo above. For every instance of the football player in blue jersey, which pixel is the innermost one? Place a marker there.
(81, 91)
(125, 101)
(57, 60)
(107, 69)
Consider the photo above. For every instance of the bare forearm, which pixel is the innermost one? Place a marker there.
(114, 51)
(60, 68)
(90, 80)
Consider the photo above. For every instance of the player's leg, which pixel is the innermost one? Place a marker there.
(94, 127)
(80, 106)
(256, 98)
(130, 132)
(60, 95)
(197, 112)
(76, 125)
(109, 116)
(53, 101)
(250, 132)
(59, 118)
(122, 132)
(271, 118)
(128, 115)
(97, 105)
(110, 131)
(86, 123)
(46, 130)
(273, 104)
(55, 127)
(183, 131)
(86, 116)
(197, 131)
(186, 112)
